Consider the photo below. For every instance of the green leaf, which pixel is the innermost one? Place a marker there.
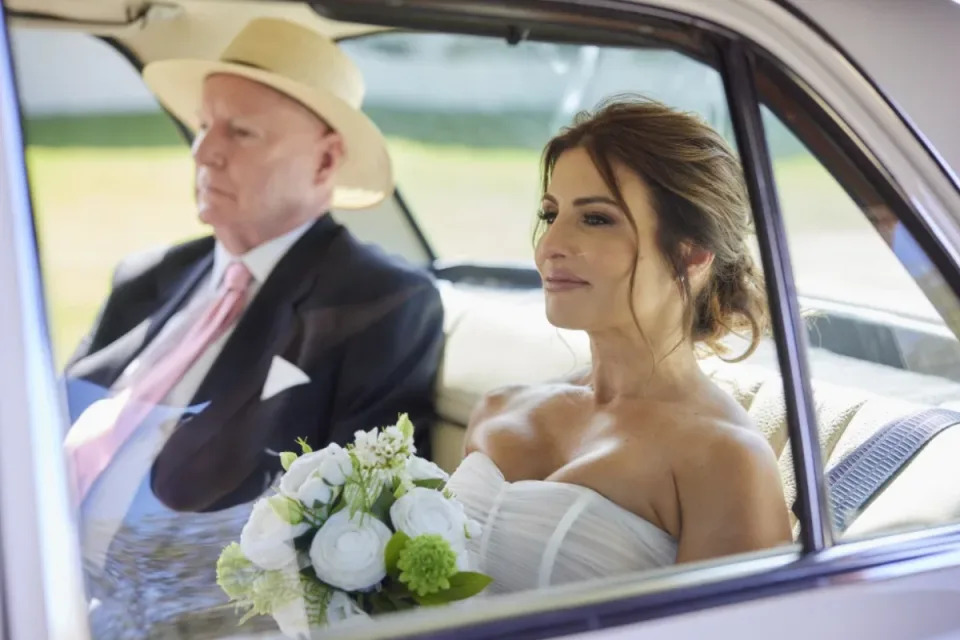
(306, 448)
(381, 602)
(381, 506)
(436, 484)
(401, 597)
(392, 553)
(287, 509)
(463, 585)
(287, 458)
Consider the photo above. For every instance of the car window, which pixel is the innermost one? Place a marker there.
(111, 177)
(881, 330)
(472, 155)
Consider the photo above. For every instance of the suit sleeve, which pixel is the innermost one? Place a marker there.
(391, 368)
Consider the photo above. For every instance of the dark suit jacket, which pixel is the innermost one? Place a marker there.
(366, 329)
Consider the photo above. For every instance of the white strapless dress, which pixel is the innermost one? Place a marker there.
(538, 533)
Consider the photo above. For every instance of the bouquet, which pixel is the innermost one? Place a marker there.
(350, 532)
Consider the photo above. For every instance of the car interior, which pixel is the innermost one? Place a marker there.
(871, 366)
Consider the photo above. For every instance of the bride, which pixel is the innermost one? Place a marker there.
(641, 461)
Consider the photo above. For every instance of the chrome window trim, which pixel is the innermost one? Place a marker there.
(42, 584)
(816, 532)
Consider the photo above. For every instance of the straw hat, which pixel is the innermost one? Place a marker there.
(307, 67)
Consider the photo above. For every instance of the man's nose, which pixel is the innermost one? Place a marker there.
(208, 149)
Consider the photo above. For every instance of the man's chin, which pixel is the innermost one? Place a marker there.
(211, 215)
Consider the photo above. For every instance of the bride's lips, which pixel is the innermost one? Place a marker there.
(561, 280)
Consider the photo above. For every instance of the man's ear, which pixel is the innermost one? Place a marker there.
(331, 154)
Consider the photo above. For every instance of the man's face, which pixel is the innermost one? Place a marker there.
(264, 163)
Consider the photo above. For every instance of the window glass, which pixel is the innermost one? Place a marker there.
(109, 172)
(466, 160)
(881, 331)
(215, 373)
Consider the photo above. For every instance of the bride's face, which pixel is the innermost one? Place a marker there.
(588, 250)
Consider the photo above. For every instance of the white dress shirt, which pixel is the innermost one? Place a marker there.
(111, 498)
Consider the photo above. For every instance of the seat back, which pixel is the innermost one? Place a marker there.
(496, 338)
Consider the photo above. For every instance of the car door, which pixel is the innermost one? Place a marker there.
(889, 573)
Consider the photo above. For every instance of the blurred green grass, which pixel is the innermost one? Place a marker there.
(104, 187)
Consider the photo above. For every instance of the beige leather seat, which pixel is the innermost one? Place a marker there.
(501, 337)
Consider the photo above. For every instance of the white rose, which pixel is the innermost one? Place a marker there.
(300, 471)
(267, 540)
(314, 491)
(343, 607)
(423, 510)
(349, 553)
(422, 469)
(292, 619)
(337, 467)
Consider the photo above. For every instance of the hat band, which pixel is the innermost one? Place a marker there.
(244, 63)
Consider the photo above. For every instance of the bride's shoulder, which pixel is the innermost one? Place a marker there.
(512, 420)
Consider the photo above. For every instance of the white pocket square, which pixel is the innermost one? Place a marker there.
(282, 376)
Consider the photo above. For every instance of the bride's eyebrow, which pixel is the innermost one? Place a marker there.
(595, 200)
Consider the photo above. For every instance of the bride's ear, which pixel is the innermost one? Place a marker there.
(697, 261)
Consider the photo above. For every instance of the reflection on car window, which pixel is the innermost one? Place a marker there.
(882, 334)
(466, 137)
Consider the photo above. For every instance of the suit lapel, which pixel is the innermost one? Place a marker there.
(105, 366)
(236, 378)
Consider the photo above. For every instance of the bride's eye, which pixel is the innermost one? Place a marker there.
(597, 219)
(547, 216)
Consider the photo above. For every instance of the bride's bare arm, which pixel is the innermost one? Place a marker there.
(731, 497)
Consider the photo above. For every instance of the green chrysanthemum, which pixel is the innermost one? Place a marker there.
(426, 564)
(236, 574)
(273, 589)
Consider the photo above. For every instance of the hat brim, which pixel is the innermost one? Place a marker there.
(364, 179)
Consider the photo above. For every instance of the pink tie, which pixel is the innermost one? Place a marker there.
(90, 454)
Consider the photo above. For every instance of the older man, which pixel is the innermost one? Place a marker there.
(216, 354)
(279, 326)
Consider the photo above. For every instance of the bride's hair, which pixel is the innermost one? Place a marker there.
(699, 197)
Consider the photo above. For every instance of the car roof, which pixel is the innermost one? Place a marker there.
(908, 49)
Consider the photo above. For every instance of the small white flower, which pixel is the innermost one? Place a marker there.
(291, 617)
(343, 607)
(423, 510)
(314, 491)
(267, 540)
(348, 553)
(421, 469)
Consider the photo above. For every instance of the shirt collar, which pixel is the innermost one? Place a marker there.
(260, 260)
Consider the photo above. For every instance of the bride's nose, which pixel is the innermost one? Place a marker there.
(558, 241)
